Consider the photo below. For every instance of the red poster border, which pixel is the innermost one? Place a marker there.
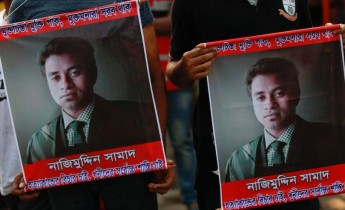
(273, 41)
(282, 188)
(286, 187)
(69, 20)
(121, 161)
(97, 165)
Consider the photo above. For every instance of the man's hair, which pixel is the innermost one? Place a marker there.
(278, 66)
(80, 49)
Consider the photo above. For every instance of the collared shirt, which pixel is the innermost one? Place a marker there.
(285, 137)
(85, 117)
(253, 2)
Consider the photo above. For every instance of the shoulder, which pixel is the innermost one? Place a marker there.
(241, 163)
(318, 132)
(46, 132)
(121, 107)
(42, 143)
(315, 127)
(247, 151)
(100, 101)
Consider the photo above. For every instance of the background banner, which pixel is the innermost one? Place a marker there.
(284, 87)
(92, 60)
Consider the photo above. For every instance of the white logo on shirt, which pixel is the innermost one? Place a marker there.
(289, 7)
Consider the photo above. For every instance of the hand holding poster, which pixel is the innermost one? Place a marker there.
(95, 76)
(277, 109)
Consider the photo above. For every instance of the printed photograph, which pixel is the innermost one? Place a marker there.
(278, 111)
(81, 101)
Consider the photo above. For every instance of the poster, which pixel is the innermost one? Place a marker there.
(286, 88)
(88, 65)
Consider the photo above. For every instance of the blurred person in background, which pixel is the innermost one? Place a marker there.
(180, 108)
(336, 7)
(316, 12)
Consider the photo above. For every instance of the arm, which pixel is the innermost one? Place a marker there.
(157, 76)
(7, 4)
(193, 65)
(163, 179)
(187, 62)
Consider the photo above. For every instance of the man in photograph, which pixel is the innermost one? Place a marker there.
(87, 121)
(289, 143)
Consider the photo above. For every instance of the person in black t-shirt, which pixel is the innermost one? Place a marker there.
(198, 21)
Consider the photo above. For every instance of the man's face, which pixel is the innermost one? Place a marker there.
(274, 101)
(69, 83)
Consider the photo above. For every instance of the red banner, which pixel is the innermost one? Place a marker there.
(94, 166)
(69, 20)
(275, 40)
(283, 188)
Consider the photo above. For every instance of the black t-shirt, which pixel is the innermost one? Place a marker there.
(282, 15)
(197, 21)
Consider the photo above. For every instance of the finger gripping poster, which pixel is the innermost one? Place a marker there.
(277, 104)
(80, 96)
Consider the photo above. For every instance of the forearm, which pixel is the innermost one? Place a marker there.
(7, 4)
(177, 75)
(157, 76)
(194, 65)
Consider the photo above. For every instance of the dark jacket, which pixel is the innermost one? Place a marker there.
(312, 145)
(113, 124)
